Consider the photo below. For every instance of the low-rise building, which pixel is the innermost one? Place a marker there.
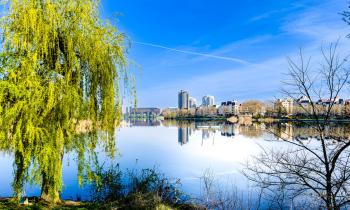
(229, 108)
(286, 104)
(304, 101)
(347, 102)
(326, 102)
(145, 111)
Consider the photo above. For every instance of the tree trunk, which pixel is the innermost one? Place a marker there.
(52, 178)
(49, 191)
(19, 176)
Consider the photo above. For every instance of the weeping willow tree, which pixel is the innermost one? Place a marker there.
(60, 64)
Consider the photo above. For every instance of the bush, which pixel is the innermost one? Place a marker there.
(142, 189)
(151, 181)
(108, 186)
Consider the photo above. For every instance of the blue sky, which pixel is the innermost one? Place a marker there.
(229, 49)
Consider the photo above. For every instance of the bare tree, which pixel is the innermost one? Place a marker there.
(316, 168)
(226, 196)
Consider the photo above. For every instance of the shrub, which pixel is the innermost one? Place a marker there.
(146, 188)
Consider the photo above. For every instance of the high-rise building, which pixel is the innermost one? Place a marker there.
(208, 100)
(183, 100)
(192, 102)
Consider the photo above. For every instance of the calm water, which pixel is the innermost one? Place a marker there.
(179, 150)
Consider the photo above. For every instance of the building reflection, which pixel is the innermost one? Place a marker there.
(183, 135)
(205, 134)
(144, 122)
(229, 129)
(252, 130)
(287, 132)
(208, 130)
(272, 131)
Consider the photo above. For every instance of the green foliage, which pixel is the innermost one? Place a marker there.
(150, 180)
(59, 64)
(108, 187)
(141, 189)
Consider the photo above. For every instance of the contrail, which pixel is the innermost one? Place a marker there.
(194, 53)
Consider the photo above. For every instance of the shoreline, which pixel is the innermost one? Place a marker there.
(258, 120)
(7, 203)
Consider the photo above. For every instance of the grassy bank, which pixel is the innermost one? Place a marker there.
(72, 205)
(114, 189)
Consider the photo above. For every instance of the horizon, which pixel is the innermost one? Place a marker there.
(232, 51)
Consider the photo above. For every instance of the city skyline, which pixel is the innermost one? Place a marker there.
(241, 56)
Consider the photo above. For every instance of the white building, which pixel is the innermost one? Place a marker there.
(326, 102)
(208, 100)
(229, 108)
(287, 104)
(303, 101)
(192, 102)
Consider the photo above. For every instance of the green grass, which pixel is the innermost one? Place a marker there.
(140, 202)
(8, 205)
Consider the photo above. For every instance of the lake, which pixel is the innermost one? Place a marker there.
(183, 150)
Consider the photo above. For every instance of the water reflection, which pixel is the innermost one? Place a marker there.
(41, 163)
(183, 135)
(209, 129)
(285, 131)
(181, 149)
(229, 130)
(143, 122)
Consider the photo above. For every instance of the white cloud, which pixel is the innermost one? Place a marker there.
(321, 24)
(238, 60)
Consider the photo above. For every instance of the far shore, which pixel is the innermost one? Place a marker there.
(234, 119)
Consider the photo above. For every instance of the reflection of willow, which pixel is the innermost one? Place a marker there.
(41, 163)
(84, 146)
